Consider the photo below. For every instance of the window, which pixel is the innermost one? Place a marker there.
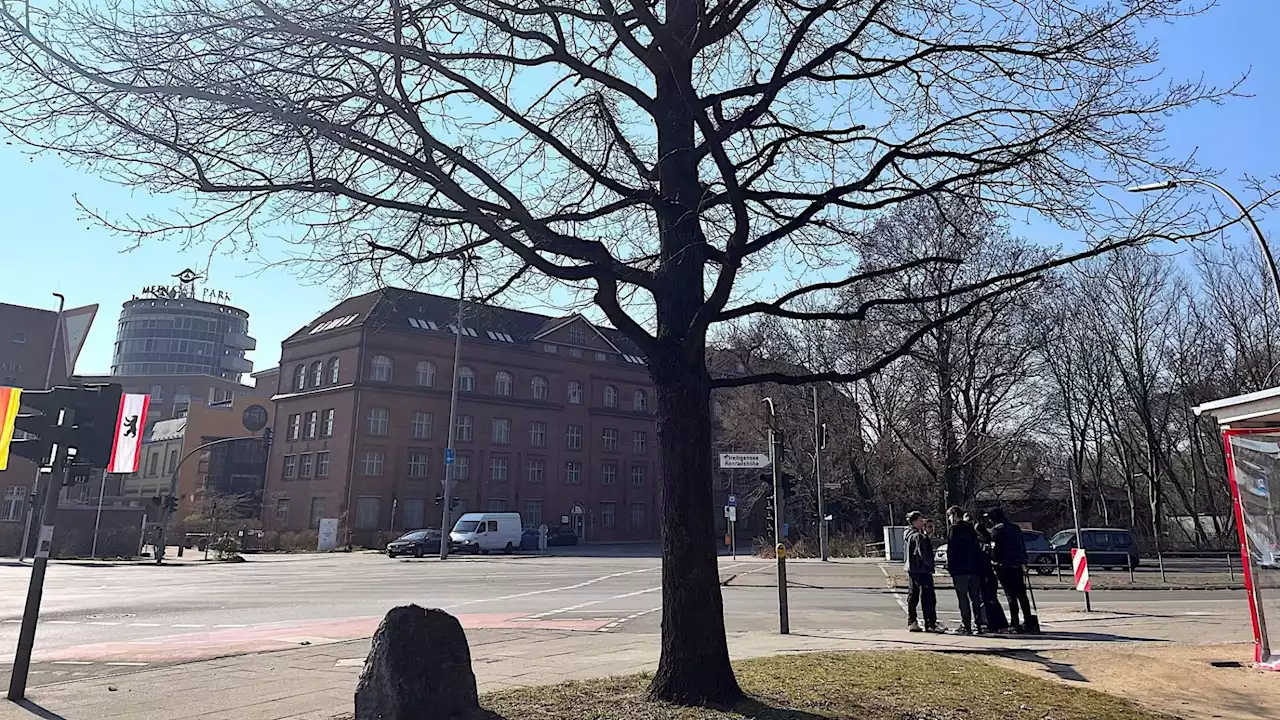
(333, 371)
(539, 386)
(496, 505)
(640, 401)
(373, 460)
(290, 466)
(578, 335)
(575, 352)
(639, 441)
(157, 394)
(463, 426)
(295, 426)
(609, 473)
(424, 374)
(20, 338)
(498, 469)
(326, 424)
(637, 476)
(317, 512)
(602, 357)
(418, 464)
(466, 379)
(608, 514)
(305, 465)
(367, 511)
(610, 437)
(610, 396)
(379, 421)
(575, 392)
(300, 377)
(637, 516)
(532, 513)
(502, 383)
(538, 433)
(415, 513)
(549, 348)
(15, 499)
(501, 431)
(381, 368)
(317, 373)
(421, 427)
(322, 464)
(537, 471)
(173, 461)
(282, 510)
(313, 419)
(572, 473)
(573, 437)
(461, 468)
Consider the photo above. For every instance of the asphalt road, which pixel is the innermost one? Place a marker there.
(104, 618)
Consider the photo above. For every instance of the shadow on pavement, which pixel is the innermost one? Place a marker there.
(1066, 671)
(37, 711)
(749, 708)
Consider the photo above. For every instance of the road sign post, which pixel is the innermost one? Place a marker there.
(780, 549)
(731, 511)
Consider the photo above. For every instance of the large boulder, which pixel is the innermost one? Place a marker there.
(419, 668)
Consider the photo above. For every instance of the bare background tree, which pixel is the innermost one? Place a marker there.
(671, 161)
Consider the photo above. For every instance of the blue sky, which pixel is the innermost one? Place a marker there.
(48, 248)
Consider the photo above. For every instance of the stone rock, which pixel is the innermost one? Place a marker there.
(419, 668)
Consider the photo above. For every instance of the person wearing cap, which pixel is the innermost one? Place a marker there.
(965, 562)
(918, 562)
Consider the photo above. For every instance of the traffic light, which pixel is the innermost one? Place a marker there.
(788, 483)
(83, 418)
(171, 503)
(97, 410)
(267, 435)
(453, 501)
(155, 500)
(37, 420)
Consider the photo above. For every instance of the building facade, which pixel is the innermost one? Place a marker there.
(181, 335)
(554, 421)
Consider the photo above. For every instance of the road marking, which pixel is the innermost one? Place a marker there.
(71, 662)
(62, 622)
(231, 626)
(110, 624)
(144, 624)
(549, 590)
(186, 626)
(127, 664)
(632, 616)
(589, 603)
(10, 621)
(902, 602)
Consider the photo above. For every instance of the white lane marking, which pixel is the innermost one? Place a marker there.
(144, 624)
(902, 602)
(589, 603)
(186, 626)
(632, 616)
(62, 622)
(109, 624)
(231, 626)
(531, 593)
(71, 662)
(10, 621)
(127, 664)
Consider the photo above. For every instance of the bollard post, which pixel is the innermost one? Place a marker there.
(1160, 559)
(784, 618)
(1057, 563)
(1131, 565)
(1231, 568)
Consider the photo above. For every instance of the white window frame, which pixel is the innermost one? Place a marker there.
(539, 386)
(610, 396)
(420, 428)
(502, 383)
(574, 392)
(573, 437)
(466, 379)
(464, 427)
(379, 421)
(424, 373)
(501, 431)
(373, 463)
(381, 369)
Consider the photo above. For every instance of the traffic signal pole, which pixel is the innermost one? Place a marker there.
(48, 383)
(779, 548)
(58, 476)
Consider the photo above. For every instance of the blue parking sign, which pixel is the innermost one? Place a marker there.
(448, 456)
(733, 501)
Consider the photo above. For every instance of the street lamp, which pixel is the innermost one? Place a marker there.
(1253, 224)
(447, 496)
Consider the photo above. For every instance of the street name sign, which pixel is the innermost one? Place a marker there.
(753, 461)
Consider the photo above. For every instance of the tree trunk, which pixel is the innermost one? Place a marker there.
(694, 667)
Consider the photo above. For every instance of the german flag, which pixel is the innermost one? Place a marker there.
(10, 401)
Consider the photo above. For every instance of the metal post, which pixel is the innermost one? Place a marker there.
(97, 520)
(48, 383)
(1231, 568)
(1160, 560)
(780, 549)
(445, 511)
(819, 443)
(35, 589)
(1075, 513)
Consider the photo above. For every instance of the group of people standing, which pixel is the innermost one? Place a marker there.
(981, 553)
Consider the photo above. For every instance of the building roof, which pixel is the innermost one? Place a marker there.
(411, 311)
(168, 430)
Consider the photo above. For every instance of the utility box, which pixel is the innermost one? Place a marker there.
(893, 543)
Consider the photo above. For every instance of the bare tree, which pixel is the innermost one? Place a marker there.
(650, 156)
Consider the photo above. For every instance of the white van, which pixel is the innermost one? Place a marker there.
(482, 532)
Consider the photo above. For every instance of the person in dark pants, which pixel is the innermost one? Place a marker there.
(918, 562)
(964, 561)
(996, 621)
(1009, 551)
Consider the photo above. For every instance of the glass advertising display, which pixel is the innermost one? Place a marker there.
(1255, 475)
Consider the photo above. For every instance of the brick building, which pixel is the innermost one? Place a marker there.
(555, 420)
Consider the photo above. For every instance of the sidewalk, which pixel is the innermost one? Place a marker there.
(318, 682)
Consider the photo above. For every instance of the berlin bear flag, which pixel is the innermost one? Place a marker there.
(130, 424)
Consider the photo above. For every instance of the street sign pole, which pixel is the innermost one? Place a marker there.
(61, 467)
(447, 495)
(819, 442)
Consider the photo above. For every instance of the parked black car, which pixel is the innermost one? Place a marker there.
(561, 535)
(416, 543)
(1106, 548)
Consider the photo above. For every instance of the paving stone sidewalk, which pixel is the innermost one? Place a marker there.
(318, 682)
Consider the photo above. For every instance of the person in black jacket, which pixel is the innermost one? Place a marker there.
(987, 576)
(918, 562)
(964, 563)
(1009, 551)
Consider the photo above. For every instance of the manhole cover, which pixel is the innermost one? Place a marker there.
(110, 616)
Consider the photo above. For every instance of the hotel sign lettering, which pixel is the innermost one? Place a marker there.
(174, 292)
